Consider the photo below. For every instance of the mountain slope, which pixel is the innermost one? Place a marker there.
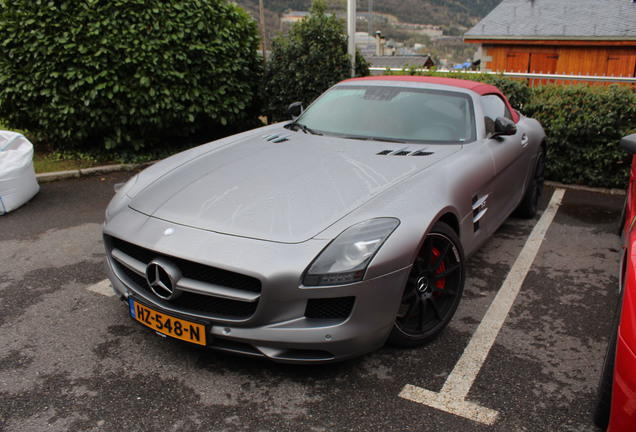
(437, 12)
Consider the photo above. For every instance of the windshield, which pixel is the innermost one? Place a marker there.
(392, 114)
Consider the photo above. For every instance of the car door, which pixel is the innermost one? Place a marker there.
(511, 156)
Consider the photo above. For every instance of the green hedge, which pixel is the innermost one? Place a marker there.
(127, 75)
(583, 124)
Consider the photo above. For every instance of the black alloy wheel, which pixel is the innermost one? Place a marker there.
(433, 290)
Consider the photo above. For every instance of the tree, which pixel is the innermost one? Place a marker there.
(121, 75)
(309, 60)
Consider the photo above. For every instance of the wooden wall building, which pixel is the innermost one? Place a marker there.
(573, 37)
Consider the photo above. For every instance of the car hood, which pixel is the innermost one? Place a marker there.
(282, 186)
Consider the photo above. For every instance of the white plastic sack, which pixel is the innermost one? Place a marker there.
(17, 176)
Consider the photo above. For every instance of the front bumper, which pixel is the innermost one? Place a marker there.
(301, 340)
(281, 319)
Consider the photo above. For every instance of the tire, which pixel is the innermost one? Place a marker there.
(603, 402)
(530, 202)
(433, 290)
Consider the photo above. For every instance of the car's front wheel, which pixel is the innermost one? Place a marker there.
(433, 290)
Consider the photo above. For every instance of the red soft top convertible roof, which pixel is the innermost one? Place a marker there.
(477, 87)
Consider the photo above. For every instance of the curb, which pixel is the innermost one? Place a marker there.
(86, 172)
(606, 191)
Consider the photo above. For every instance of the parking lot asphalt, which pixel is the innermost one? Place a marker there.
(71, 359)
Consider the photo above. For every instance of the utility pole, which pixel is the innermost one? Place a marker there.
(370, 17)
(351, 32)
(263, 39)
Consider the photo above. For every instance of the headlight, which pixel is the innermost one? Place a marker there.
(120, 197)
(346, 258)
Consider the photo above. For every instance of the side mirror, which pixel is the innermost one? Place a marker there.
(504, 126)
(629, 143)
(295, 110)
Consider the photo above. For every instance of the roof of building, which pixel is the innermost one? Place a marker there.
(559, 19)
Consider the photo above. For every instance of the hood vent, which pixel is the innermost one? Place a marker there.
(277, 138)
(404, 153)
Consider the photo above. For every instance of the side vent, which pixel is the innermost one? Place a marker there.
(480, 207)
(277, 138)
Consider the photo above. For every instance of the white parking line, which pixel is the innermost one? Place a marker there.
(452, 396)
(103, 288)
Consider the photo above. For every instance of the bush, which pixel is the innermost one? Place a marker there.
(305, 63)
(122, 75)
(584, 125)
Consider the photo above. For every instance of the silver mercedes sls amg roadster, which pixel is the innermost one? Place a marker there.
(322, 238)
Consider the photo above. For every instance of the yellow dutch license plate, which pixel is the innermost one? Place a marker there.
(167, 324)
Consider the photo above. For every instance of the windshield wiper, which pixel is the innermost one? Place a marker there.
(391, 140)
(303, 128)
(366, 138)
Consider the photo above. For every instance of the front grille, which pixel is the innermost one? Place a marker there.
(330, 308)
(191, 269)
(192, 302)
(210, 305)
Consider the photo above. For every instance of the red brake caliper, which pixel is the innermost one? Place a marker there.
(440, 283)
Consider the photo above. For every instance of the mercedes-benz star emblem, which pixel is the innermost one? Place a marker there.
(162, 277)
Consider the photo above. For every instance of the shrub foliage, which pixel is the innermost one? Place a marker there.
(584, 125)
(307, 61)
(122, 75)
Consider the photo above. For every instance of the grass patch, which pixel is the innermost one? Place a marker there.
(52, 162)
(47, 160)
